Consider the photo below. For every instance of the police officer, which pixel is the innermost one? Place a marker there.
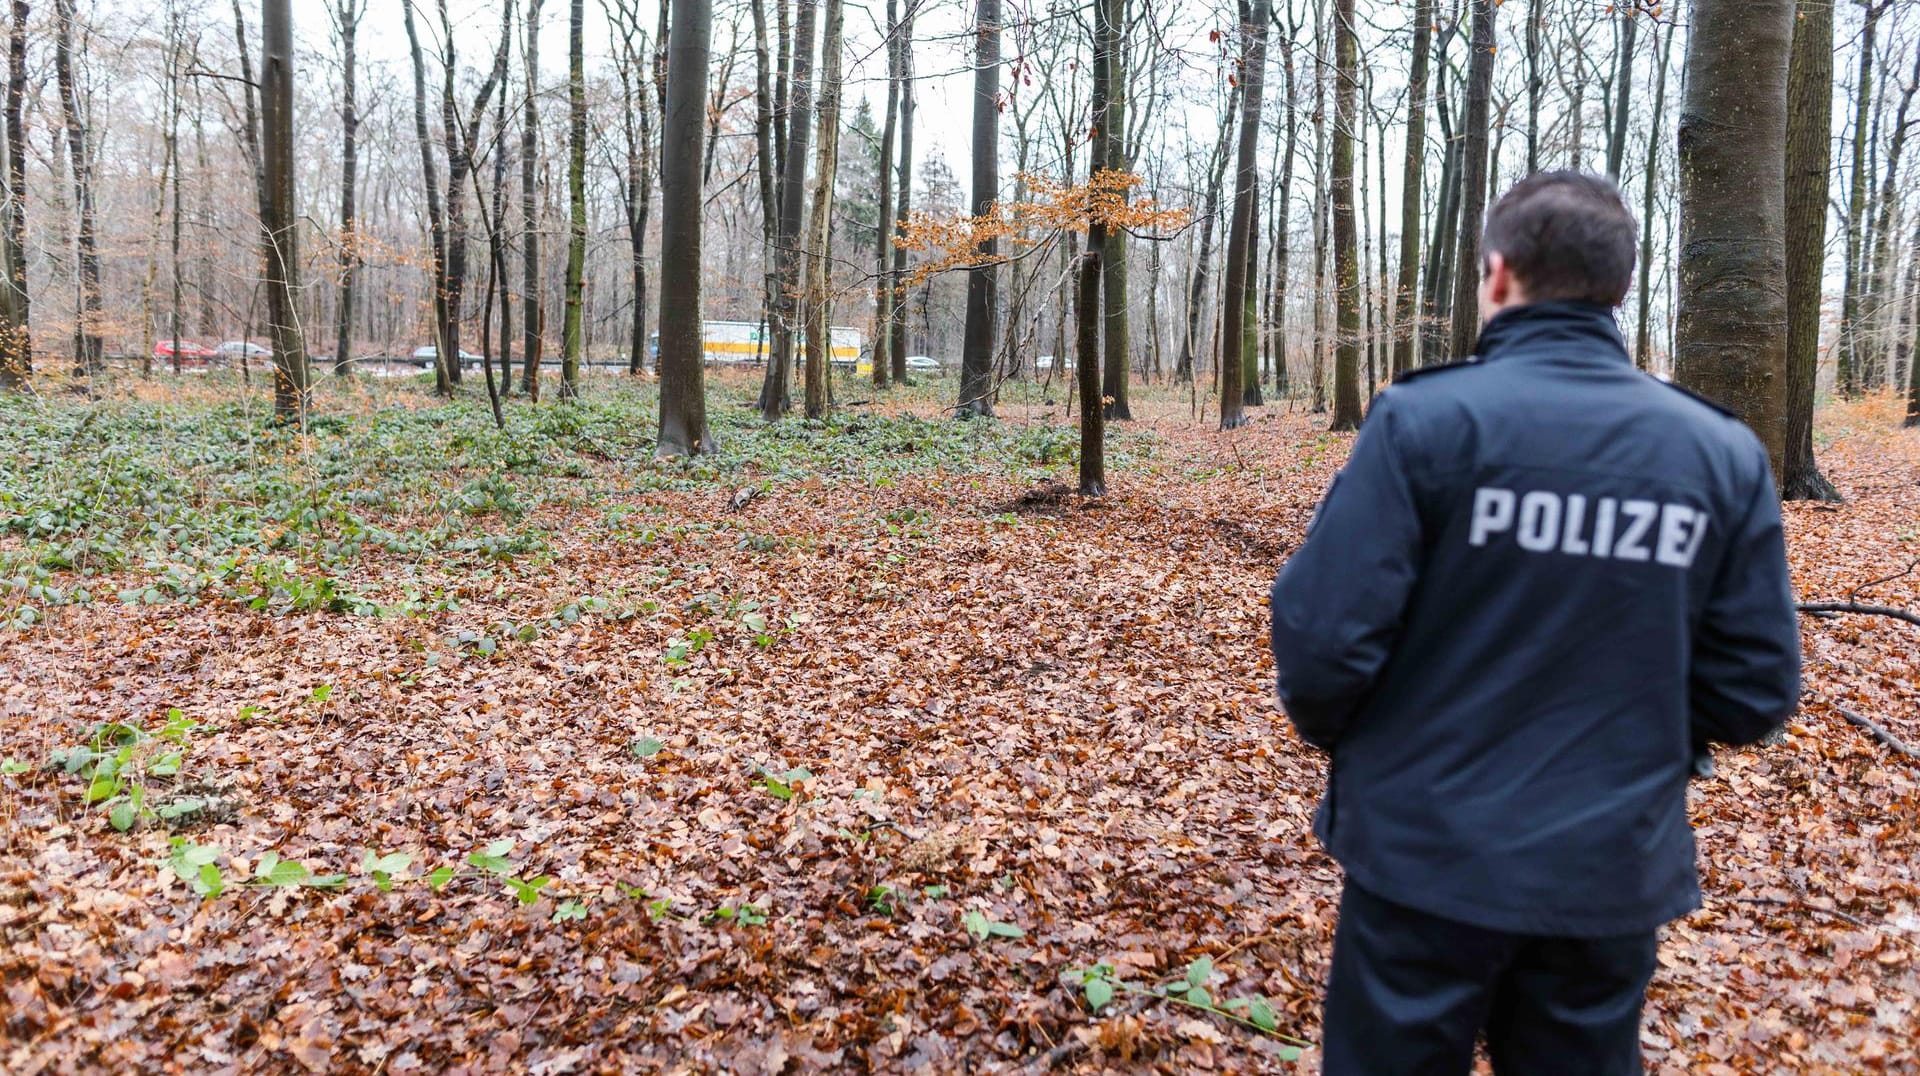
(1543, 582)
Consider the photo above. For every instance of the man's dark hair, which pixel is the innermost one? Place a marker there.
(1565, 235)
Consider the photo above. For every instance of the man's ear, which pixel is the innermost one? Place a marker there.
(1499, 279)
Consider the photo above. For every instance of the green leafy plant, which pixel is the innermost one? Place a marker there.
(1100, 983)
(984, 928)
(782, 786)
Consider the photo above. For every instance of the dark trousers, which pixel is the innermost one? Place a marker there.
(1409, 993)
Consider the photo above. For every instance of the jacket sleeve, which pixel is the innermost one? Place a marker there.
(1337, 602)
(1744, 681)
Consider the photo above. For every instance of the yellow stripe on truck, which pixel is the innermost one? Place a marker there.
(724, 347)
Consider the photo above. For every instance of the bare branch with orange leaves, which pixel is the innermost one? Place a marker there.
(950, 243)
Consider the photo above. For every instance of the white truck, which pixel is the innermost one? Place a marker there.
(733, 342)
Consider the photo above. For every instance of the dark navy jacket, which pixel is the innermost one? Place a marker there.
(1542, 580)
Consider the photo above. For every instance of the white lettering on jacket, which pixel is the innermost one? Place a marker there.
(1542, 521)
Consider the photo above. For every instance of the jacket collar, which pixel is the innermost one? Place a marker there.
(1566, 329)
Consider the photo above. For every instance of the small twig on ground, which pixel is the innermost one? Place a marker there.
(1854, 594)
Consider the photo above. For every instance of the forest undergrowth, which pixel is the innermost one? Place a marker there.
(405, 744)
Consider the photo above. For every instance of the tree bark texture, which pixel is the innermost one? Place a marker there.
(1732, 307)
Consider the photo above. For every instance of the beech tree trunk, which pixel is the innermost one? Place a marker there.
(1732, 314)
(281, 226)
(818, 307)
(1643, 338)
(1346, 262)
(16, 337)
(1622, 87)
(89, 349)
(1473, 181)
(776, 394)
(683, 391)
(1113, 254)
(532, 318)
(570, 339)
(976, 349)
(884, 221)
(1413, 171)
(347, 15)
(1210, 211)
(1809, 153)
(897, 346)
(1254, 15)
(1848, 375)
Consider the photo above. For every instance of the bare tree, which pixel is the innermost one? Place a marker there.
(346, 21)
(89, 348)
(1809, 153)
(1413, 171)
(1849, 374)
(16, 337)
(1346, 270)
(1254, 16)
(532, 320)
(1473, 178)
(884, 220)
(816, 304)
(897, 346)
(976, 354)
(683, 391)
(282, 220)
(570, 338)
(776, 397)
(1732, 317)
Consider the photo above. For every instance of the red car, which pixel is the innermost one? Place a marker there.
(187, 352)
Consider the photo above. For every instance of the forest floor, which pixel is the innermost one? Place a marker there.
(408, 745)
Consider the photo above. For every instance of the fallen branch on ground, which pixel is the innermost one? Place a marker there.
(1819, 608)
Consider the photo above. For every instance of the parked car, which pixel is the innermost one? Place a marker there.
(925, 364)
(427, 356)
(186, 350)
(1045, 363)
(235, 350)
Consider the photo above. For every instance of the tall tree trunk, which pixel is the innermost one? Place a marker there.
(1113, 254)
(884, 222)
(976, 348)
(89, 349)
(1643, 339)
(1282, 254)
(817, 307)
(496, 226)
(1849, 374)
(1437, 293)
(1210, 211)
(1911, 337)
(532, 318)
(1732, 316)
(683, 390)
(765, 163)
(1878, 293)
(1093, 423)
(282, 222)
(1413, 171)
(347, 15)
(16, 338)
(1254, 15)
(1535, 20)
(176, 48)
(436, 212)
(570, 339)
(1809, 158)
(1473, 179)
(1346, 263)
(776, 397)
(897, 346)
(1622, 85)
